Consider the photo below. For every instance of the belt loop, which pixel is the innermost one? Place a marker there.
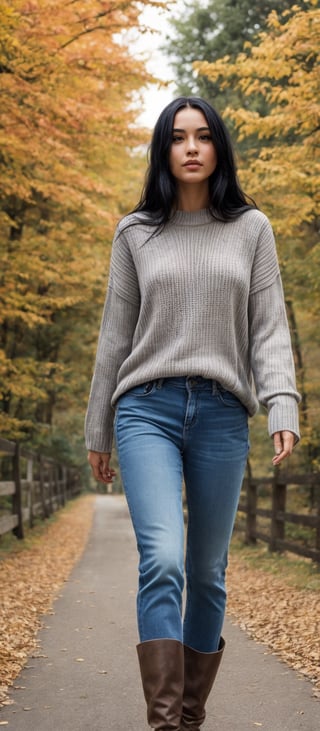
(214, 386)
(159, 383)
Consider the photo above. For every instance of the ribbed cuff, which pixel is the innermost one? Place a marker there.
(283, 415)
(98, 442)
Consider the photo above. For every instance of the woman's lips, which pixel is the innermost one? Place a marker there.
(192, 164)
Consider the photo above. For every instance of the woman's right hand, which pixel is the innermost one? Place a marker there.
(99, 462)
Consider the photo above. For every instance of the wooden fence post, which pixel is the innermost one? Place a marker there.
(318, 521)
(63, 483)
(50, 489)
(17, 496)
(55, 482)
(279, 489)
(45, 487)
(44, 507)
(30, 491)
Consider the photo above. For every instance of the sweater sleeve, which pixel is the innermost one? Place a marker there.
(119, 319)
(265, 265)
(271, 358)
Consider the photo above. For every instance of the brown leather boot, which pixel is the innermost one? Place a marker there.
(162, 668)
(200, 670)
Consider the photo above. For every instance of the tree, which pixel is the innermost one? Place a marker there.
(282, 170)
(210, 30)
(66, 134)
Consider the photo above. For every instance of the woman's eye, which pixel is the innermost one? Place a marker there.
(177, 138)
(205, 138)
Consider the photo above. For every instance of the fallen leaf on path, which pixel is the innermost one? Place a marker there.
(29, 583)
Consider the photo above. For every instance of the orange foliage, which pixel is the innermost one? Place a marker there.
(67, 135)
(282, 170)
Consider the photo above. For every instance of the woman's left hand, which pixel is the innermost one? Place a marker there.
(283, 445)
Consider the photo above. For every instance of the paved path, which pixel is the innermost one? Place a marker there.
(86, 677)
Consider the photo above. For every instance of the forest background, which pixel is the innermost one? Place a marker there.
(72, 162)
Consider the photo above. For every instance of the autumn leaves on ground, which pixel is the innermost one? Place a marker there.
(30, 579)
(269, 607)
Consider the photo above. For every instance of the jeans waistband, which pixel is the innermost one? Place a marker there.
(189, 382)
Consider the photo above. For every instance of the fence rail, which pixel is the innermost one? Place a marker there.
(38, 486)
(277, 518)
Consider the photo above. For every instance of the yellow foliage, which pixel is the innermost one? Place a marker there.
(281, 167)
(67, 137)
(284, 171)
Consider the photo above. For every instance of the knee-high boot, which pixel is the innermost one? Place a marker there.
(200, 670)
(162, 671)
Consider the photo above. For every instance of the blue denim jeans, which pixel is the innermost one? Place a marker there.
(168, 431)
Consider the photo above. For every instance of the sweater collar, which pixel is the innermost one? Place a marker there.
(191, 218)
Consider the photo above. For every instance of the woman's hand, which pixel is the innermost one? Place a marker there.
(283, 445)
(99, 462)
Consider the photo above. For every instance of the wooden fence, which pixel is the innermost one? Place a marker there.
(35, 486)
(277, 519)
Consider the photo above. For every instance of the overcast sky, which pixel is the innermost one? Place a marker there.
(155, 99)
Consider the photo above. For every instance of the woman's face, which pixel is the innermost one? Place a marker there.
(192, 154)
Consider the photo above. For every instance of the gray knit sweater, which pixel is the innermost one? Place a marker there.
(199, 298)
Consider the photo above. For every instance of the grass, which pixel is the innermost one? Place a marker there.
(300, 573)
(9, 544)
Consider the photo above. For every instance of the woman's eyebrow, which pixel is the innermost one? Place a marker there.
(200, 129)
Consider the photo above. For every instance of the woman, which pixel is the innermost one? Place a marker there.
(194, 313)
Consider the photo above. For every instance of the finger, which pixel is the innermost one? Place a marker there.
(99, 462)
(279, 457)
(96, 470)
(107, 472)
(278, 448)
(283, 444)
(97, 474)
(93, 459)
(104, 466)
(277, 442)
(288, 440)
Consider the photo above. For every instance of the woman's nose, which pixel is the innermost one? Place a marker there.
(192, 147)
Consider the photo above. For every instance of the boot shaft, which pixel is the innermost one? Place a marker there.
(200, 670)
(162, 673)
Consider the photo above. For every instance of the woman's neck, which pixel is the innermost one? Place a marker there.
(192, 198)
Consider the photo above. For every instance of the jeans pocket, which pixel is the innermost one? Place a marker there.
(228, 398)
(142, 390)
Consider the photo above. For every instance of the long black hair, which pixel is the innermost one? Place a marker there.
(159, 196)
